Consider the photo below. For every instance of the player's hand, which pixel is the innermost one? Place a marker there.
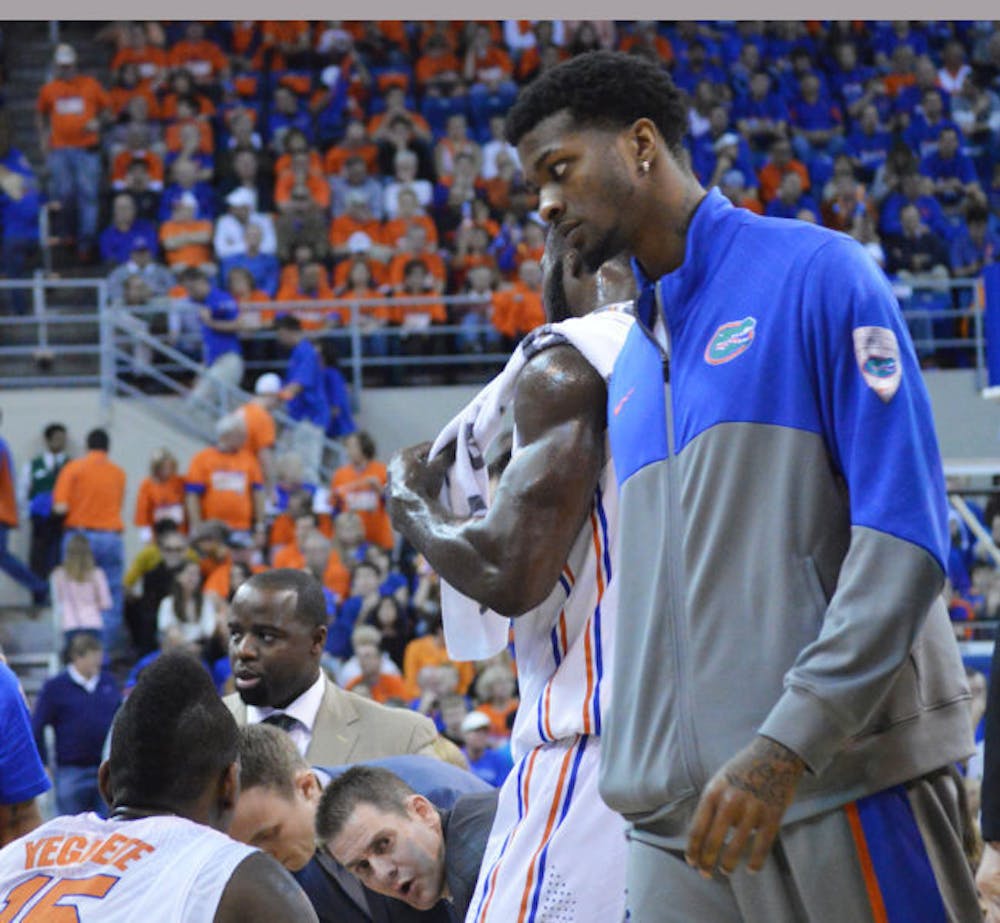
(988, 882)
(410, 471)
(742, 806)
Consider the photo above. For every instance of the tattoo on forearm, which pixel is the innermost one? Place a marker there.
(770, 774)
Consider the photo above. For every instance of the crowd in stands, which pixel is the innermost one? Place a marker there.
(207, 527)
(303, 162)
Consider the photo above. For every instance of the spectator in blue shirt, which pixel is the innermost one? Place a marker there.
(849, 81)
(264, 267)
(20, 206)
(720, 149)
(910, 97)
(117, 238)
(185, 173)
(761, 115)
(974, 247)
(697, 67)
(790, 201)
(913, 192)
(219, 317)
(927, 124)
(22, 775)
(338, 394)
(816, 122)
(868, 144)
(79, 704)
(490, 765)
(952, 171)
(305, 392)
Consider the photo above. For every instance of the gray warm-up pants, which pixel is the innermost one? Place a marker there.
(863, 863)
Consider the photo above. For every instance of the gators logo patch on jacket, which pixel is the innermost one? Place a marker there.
(730, 340)
(877, 352)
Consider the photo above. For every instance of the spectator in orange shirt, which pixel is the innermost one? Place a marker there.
(382, 687)
(430, 651)
(495, 691)
(90, 493)
(316, 553)
(438, 71)
(645, 39)
(70, 110)
(294, 141)
(395, 105)
(149, 61)
(225, 482)
(517, 310)
(137, 147)
(299, 176)
(161, 495)
(408, 213)
(456, 140)
(129, 85)
(310, 285)
(357, 230)
(304, 522)
(472, 249)
(359, 487)
(186, 240)
(260, 428)
(417, 246)
(778, 164)
(355, 143)
(202, 59)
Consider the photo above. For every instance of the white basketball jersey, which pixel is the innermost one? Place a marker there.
(161, 869)
(563, 647)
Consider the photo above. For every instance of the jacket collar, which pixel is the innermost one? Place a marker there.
(707, 236)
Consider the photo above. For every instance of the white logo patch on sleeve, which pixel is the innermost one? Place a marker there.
(877, 352)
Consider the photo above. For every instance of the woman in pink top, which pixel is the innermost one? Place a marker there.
(80, 592)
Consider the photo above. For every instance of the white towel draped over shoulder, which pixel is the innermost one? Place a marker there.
(473, 632)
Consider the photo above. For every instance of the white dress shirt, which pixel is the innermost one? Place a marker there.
(303, 709)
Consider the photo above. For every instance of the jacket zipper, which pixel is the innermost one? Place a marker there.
(674, 567)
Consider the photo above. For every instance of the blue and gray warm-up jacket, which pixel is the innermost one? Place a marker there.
(783, 528)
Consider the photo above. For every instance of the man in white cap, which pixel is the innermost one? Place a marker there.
(261, 431)
(491, 765)
(70, 110)
(230, 229)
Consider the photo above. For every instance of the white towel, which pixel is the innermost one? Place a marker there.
(471, 631)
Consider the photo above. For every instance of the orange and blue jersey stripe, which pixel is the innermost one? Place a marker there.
(524, 771)
(556, 817)
(898, 875)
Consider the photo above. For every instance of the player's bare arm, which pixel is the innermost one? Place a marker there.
(261, 891)
(510, 559)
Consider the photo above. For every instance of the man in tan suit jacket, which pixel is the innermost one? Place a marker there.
(277, 630)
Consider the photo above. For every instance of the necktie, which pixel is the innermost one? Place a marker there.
(281, 720)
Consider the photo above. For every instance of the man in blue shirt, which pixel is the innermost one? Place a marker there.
(868, 143)
(20, 205)
(117, 238)
(79, 704)
(489, 764)
(305, 392)
(22, 775)
(222, 354)
(952, 171)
